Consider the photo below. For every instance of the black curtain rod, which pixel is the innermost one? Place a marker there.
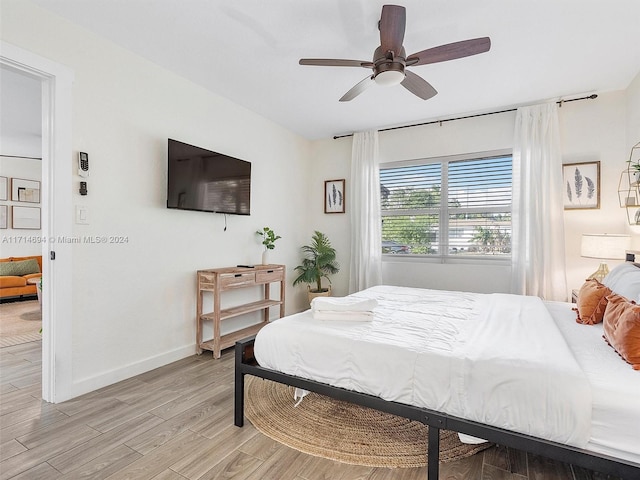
(590, 97)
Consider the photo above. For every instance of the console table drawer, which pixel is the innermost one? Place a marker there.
(266, 276)
(206, 281)
(231, 280)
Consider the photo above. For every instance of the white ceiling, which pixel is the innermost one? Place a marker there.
(248, 51)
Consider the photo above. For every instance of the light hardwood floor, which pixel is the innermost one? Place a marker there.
(176, 423)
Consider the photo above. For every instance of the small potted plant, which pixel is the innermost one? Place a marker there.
(634, 168)
(319, 262)
(269, 241)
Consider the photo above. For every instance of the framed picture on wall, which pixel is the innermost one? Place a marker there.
(3, 216)
(334, 196)
(27, 218)
(25, 190)
(4, 183)
(581, 185)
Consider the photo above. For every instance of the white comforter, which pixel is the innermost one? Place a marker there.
(496, 359)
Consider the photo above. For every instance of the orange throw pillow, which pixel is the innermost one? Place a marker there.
(622, 328)
(592, 301)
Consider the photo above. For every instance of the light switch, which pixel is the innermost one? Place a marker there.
(82, 217)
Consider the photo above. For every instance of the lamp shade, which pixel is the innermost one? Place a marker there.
(605, 245)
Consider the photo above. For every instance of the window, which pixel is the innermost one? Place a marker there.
(448, 207)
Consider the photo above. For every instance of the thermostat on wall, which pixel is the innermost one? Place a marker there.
(83, 164)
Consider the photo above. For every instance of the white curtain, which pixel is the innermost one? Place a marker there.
(364, 207)
(537, 216)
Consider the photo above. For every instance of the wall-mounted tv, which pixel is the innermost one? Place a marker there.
(207, 181)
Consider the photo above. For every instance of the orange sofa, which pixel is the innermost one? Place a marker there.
(14, 286)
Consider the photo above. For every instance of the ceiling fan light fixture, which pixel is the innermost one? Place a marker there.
(389, 78)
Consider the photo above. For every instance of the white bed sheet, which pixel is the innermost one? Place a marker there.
(445, 351)
(615, 386)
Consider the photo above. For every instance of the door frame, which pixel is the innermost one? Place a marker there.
(56, 198)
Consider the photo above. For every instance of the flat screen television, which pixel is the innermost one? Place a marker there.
(202, 180)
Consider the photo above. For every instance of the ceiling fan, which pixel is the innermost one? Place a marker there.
(390, 59)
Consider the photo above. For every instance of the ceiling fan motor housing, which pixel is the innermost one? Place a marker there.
(388, 69)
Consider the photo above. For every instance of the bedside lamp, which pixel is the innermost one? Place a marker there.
(604, 246)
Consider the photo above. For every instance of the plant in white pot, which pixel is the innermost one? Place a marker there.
(269, 241)
(319, 262)
(634, 168)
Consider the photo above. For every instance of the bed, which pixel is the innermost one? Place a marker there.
(539, 382)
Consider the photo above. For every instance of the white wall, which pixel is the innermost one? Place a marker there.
(332, 159)
(632, 101)
(134, 302)
(590, 130)
(633, 112)
(595, 130)
(22, 146)
(21, 114)
(19, 242)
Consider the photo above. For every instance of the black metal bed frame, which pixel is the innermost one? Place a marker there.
(245, 364)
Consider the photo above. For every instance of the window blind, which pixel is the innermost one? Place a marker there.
(445, 207)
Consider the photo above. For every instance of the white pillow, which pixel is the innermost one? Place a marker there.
(624, 280)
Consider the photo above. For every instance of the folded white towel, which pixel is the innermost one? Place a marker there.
(343, 316)
(343, 304)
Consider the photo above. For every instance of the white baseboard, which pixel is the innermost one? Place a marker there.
(86, 385)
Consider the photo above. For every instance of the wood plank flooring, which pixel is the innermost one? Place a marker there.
(176, 423)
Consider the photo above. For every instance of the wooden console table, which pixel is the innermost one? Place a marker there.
(218, 280)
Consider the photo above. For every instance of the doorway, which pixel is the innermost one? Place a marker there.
(56, 206)
(20, 206)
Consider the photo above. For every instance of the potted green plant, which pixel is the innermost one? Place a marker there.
(269, 241)
(634, 168)
(319, 262)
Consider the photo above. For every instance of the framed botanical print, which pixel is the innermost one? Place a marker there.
(334, 199)
(581, 185)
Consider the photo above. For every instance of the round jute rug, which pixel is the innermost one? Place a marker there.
(342, 431)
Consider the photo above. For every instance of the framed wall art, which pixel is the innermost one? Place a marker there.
(334, 198)
(25, 190)
(4, 184)
(4, 211)
(26, 218)
(581, 185)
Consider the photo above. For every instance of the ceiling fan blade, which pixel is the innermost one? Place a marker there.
(418, 86)
(332, 62)
(450, 51)
(357, 89)
(392, 25)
